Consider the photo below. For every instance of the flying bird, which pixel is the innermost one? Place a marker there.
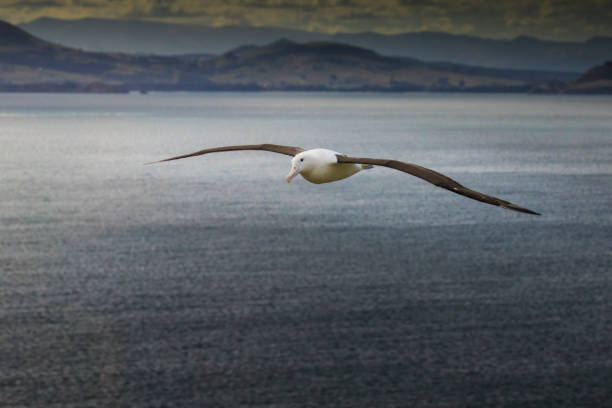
(324, 166)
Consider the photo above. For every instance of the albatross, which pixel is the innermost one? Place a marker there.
(324, 166)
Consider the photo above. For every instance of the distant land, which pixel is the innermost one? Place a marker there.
(30, 64)
(596, 80)
(142, 37)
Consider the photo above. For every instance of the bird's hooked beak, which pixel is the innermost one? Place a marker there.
(292, 173)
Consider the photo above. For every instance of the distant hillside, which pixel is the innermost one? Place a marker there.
(12, 37)
(519, 53)
(149, 37)
(332, 66)
(140, 37)
(596, 80)
(30, 64)
(27, 63)
(598, 73)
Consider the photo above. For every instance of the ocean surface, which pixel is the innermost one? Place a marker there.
(211, 282)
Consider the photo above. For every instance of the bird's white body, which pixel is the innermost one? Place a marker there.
(321, 166)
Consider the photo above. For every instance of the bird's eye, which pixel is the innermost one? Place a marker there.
(302, 159)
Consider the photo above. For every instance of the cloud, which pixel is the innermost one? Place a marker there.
(163, 9)
(553, 19)
(90, 3)
(31, 4)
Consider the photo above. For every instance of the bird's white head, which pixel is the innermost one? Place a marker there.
(300, 162)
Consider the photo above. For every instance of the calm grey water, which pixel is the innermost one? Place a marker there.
(212, 282)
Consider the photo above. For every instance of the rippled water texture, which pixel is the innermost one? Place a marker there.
(212, 282)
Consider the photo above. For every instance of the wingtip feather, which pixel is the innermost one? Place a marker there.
(521, 209)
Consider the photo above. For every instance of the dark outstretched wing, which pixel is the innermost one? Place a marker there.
(288, 150)
(435, 178)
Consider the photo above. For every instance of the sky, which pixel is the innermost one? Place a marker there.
(567, 20)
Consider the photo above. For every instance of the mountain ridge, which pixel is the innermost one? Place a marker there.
(133, 36)
(31, 64)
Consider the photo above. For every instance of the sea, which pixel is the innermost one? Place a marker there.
(211, 282)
